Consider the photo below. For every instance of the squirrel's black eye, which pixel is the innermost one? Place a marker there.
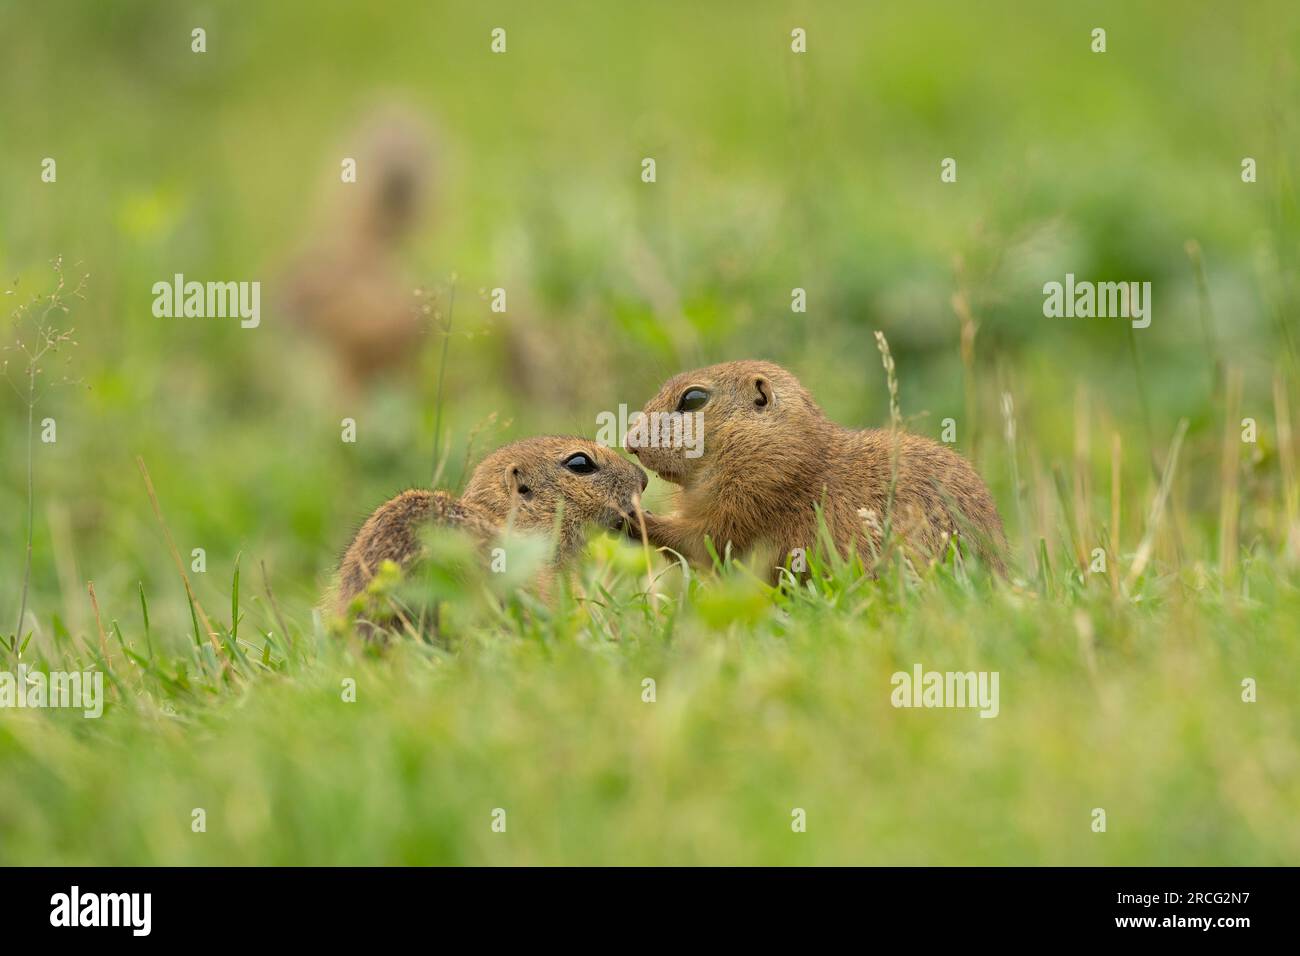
(580, 464)
(693, 400)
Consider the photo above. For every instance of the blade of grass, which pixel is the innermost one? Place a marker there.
(196, 609)
(1157, 511)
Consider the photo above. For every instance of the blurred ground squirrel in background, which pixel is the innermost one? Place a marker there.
(348, 288)
(527, 486)
(770, 456)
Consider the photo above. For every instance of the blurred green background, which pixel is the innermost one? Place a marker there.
(774, 171)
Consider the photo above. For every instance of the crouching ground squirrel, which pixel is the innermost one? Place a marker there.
(770, 456)
(528, 485)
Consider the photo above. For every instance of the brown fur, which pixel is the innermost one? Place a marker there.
(523, 485)
(770, 455)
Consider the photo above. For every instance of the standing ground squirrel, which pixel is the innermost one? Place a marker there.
(527, 485)
(769, 455)
(348, 288)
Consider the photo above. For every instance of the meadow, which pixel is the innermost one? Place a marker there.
(1145, 639)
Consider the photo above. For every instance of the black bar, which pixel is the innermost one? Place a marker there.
(335, 906)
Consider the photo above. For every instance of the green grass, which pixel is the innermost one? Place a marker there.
(764, 702)
(1120, 690)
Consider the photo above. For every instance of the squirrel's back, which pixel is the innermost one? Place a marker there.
(393, 533)
(936, 491)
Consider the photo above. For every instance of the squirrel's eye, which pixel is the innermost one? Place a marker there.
(693, 400)
(580, 464)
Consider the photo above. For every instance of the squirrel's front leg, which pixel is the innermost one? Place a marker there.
(668, 532)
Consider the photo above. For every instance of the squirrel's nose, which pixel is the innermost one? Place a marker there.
(634, 449)
(645, 479)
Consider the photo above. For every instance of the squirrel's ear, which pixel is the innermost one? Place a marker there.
(517, 485)
(762, 392)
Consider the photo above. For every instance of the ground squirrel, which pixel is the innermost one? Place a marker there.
(769, 455)
(527, 485)
(348, 287)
